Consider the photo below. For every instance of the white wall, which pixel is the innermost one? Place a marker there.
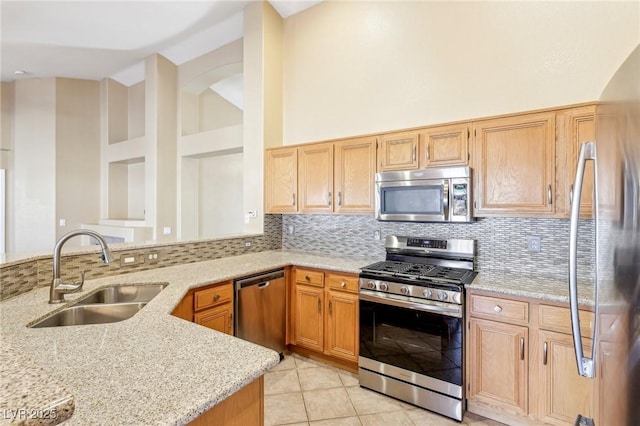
(353, 68)
(34, 160)
(220, 196)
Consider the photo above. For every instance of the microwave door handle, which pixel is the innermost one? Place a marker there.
(445, 200)
(585, 365)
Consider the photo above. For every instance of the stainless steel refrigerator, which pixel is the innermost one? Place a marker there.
(613, 362)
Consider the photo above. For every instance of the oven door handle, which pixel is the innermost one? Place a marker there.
(424, 307)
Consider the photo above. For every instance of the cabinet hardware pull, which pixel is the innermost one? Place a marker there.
(497, 309)
(339, 198)
(413, 158)
(342, 284)
(544, 353)
(571, 195)
(330, 310)
(522, 348)
(307, 277)
(428, 154)
(216, 297)
(549, 197)
(329, 197)
(294, 199)
(319, 306)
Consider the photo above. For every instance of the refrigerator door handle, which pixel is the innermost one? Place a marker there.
(585, 365)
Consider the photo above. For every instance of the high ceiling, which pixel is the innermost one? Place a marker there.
(97, 39)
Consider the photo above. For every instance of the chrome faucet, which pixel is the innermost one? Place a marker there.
(58, 287)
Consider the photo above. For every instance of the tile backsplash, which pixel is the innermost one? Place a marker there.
(19, 278)
(501, 242)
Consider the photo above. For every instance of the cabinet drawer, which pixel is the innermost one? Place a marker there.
(557, 318)
(499, 309)
(212, 296)
(305, 276)
(342, 282)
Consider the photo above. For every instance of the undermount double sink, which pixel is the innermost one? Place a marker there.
(109, 304)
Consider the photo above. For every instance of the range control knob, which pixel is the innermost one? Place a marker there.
(405, 290)
(384, 286)
(371, 285)
(427, 294)
(442, 296)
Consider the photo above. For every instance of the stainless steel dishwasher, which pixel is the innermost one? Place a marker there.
(260, 309)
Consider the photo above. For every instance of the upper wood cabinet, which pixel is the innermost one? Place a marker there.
(514, 166)
(281, 180)
(315, 177)
(398, 151)
(445, 146)
(354, 173)
(328, 177)
(577, 126)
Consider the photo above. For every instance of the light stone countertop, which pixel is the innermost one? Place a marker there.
(537, 287)
(158, 369)
(152, 368)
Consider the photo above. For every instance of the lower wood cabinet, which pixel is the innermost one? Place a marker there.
(498, 367)
(521, 366)
(324, 313)
(210, 306)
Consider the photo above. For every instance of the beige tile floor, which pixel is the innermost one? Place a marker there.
(300, 391)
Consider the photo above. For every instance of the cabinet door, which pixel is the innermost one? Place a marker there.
(444, 146)
(398, 151)
(220, 318)
(309, 326)
(579, 127)
(354, 171)
(281, 180)
(315, 171)
(514, 166)
(497, 373)
(341, 329)
(563, 392)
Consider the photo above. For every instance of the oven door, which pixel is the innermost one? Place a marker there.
(413, 200)
(413, 342)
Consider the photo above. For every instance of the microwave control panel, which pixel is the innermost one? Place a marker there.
(460, 198)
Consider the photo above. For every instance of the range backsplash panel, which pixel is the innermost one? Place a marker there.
(501, 242)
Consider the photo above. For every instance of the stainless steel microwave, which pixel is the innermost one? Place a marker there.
(438, 194)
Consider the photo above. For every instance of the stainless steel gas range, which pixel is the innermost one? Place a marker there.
(412, 322)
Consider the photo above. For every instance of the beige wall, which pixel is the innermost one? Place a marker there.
(35, 170)
(362, 67)
(77, 147)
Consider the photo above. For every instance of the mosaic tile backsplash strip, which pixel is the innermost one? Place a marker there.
(23, 277)
(501, 242)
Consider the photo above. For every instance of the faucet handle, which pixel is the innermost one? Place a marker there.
(80, 283)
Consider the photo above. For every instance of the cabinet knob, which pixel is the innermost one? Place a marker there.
(342, 284)
(216, 297)
(497, 309)
(307, 277)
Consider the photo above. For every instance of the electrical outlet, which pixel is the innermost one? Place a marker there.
(246, 244)
(291, 229)
(376, 235)
(152, 257)
(534, 244)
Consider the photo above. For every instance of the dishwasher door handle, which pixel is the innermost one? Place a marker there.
(264, 284)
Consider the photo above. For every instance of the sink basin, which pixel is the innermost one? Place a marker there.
(91, 314)
(123, 294)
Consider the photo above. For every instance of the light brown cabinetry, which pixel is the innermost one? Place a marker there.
(315, 176)
(521, 362)
(514, 165)
(329, 177)
(210, 306)
(577, 126)
(498, 361)
(281, 180)
(398, 151)
(324, 313)
(444, 146)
